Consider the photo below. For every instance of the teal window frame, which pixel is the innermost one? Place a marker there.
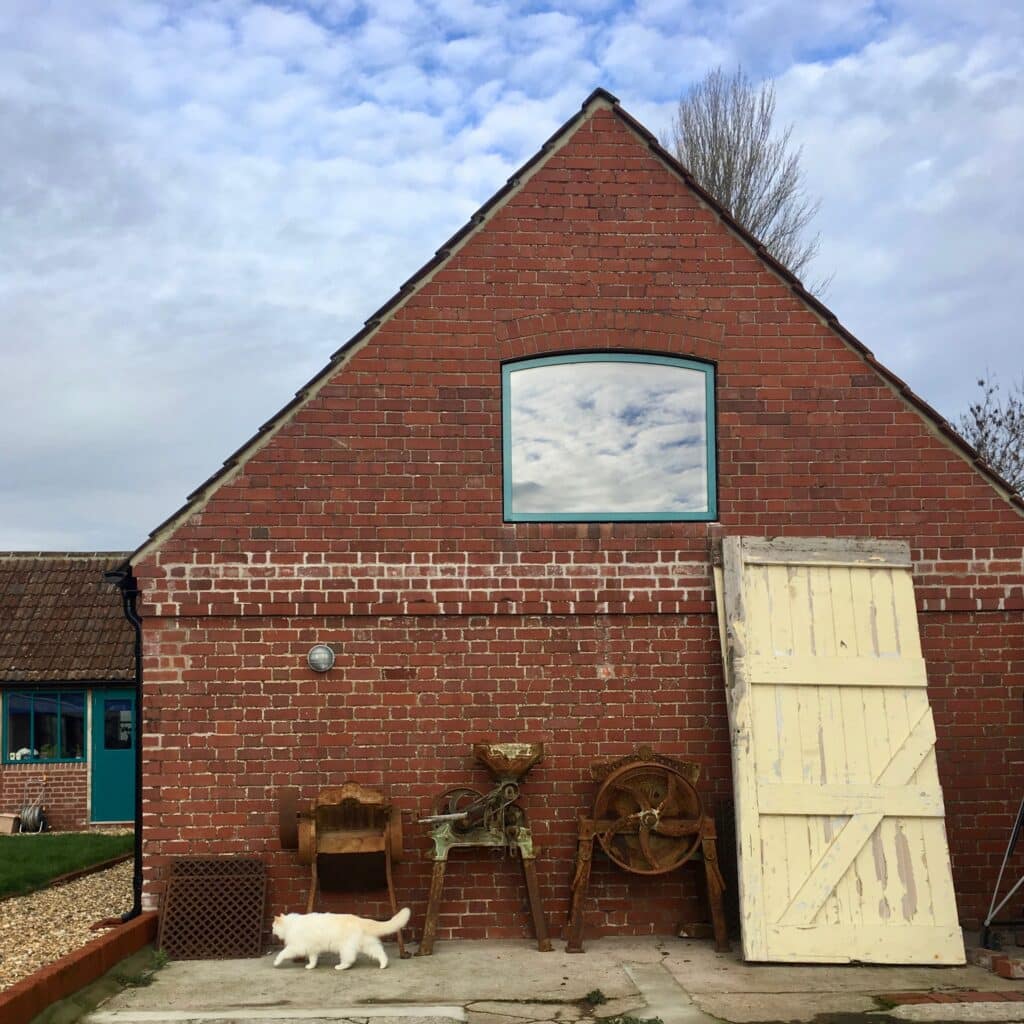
(32, 694)
(710, 514)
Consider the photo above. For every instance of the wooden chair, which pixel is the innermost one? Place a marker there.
(352, 826)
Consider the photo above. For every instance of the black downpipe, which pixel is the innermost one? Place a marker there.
(128, 585)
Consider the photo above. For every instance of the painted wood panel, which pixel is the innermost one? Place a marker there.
(839, 814)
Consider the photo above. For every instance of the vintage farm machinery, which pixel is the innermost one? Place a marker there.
(465, 817)
(648, 819)
(349, 835)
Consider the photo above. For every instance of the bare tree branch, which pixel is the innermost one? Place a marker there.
(722, 133)
(995, 426)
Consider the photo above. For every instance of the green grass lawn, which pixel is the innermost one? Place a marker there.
(28, 862)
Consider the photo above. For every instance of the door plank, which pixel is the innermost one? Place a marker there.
(818, 885)
(748, 832)
(922, 944)
(909, 801)
(810, 670)
(826, 551)
(909, 755)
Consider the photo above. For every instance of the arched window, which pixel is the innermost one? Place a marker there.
(609, 436)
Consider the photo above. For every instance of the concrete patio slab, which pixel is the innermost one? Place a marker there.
(272, 1015)
(963, 1013)
(678, 981)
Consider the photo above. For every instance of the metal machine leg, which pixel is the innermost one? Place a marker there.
(716, 886)
(314, 886)
(993, 909)
(402, 951)
(536, 910)
(426, 946)
(580, 883)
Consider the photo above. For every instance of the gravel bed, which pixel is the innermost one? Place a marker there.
(42, 927)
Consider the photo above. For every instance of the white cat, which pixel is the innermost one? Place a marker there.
(309, 935)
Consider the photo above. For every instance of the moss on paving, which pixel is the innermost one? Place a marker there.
(134, 970)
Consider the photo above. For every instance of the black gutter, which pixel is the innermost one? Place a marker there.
(125, 582)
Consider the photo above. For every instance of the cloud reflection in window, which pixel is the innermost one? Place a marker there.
(616, 437)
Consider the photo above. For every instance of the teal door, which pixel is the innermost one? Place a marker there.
(113, 755)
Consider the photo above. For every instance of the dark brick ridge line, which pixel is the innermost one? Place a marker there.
(72, 876)
(67, 555)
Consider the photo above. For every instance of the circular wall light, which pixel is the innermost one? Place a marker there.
(320, 657)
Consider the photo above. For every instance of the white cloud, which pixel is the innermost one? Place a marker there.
(589, 437)
(910, 142)
(272, 30)
(639, 54)
(201, 202)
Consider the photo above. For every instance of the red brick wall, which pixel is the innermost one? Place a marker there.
(402, 707)
(373, 520)
(976, 689)
(66, 792)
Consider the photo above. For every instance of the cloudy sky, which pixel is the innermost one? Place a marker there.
(637, 430)
(200, 201)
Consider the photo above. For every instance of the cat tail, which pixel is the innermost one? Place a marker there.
(400, 920)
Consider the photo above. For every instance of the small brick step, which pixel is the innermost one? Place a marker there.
(1009, 966)
(1000, 963)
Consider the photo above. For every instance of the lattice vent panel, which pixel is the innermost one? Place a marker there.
(213, 908)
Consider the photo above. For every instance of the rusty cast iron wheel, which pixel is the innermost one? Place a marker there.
(288, 818)
(454, 801)
(648, 818)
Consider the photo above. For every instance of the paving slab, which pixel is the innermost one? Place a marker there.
(515, 1013)
(265, 1015)
(699, 969)
(680, 981)
(475, 1016)
(757, 1007)
(617, 1007)
(457, 973)
(666, 998)
(962, 1013)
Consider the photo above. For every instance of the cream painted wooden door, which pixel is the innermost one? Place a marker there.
(839, 814)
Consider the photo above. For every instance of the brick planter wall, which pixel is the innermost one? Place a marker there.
(66, 791)
(27, 999)
(372, 520)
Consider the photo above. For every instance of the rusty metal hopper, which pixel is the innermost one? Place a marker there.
(508, 760)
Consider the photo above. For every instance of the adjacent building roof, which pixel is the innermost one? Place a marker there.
(60, 620)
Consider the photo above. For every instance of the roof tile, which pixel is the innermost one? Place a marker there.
(60, 620)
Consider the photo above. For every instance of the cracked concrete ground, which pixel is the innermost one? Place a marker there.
(679, 981)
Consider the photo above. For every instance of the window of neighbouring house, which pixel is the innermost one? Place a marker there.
(44, 725)
(609, 437)
(117, 725)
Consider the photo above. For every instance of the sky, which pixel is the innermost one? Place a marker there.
(600, 436)
(201, 201)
